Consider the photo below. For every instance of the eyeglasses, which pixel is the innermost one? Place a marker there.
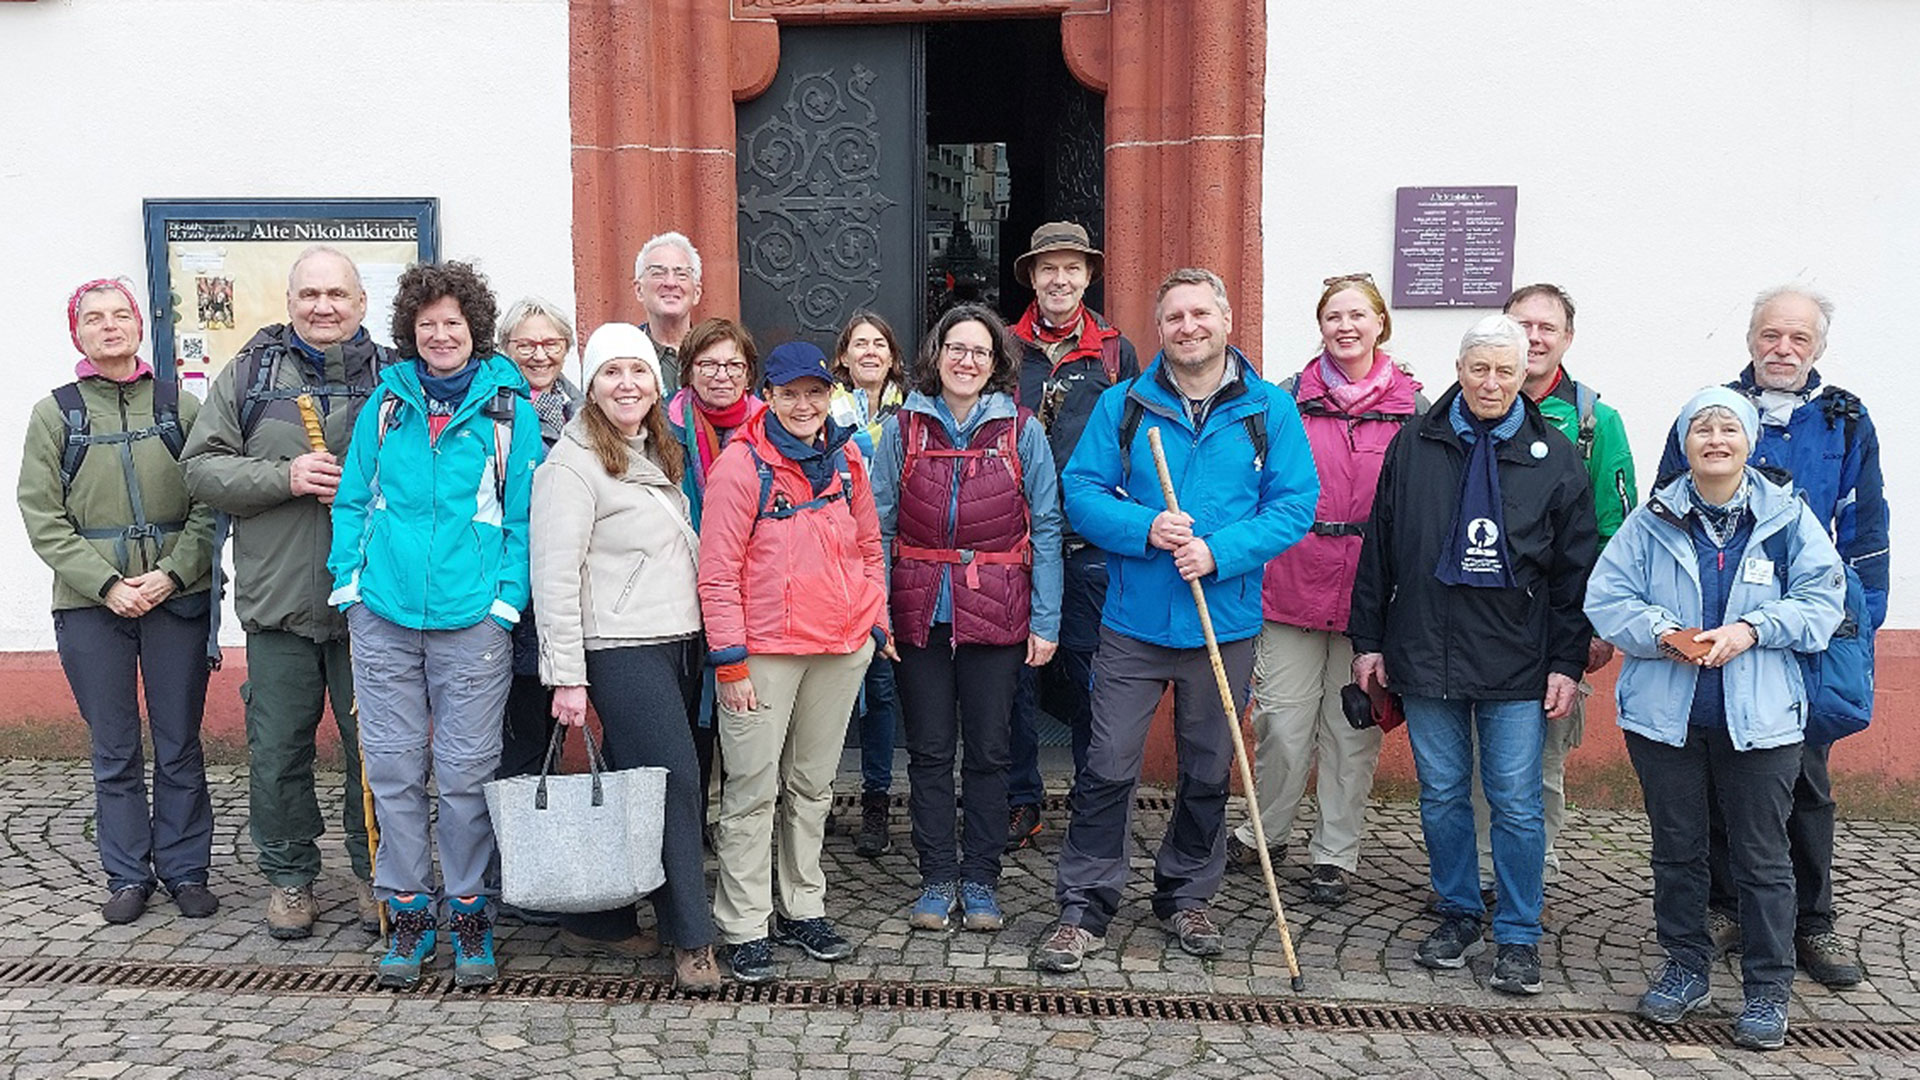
(735, 369)
(1342, 279)
(957, 352)
(657, 272)
(527, 347)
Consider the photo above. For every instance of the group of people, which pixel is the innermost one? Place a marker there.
(728, 556)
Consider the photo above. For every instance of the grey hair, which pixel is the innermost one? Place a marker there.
(667, 239)
(1815, 296)
(526, 308)
(1193, 275)
(353, 269)
(1494, 332)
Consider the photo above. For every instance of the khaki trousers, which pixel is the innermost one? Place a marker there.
(780, 760)
(1561, 737)
(1297, 676)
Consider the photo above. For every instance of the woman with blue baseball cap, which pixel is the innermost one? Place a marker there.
(1708, 589)
(793, 593)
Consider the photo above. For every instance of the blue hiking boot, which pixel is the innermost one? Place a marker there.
(412, 943)
(1673, 995)
(979, 907)
(472, 925)
(934, 909)
(1762, 1025)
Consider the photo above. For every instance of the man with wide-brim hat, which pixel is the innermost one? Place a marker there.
(1070, 355)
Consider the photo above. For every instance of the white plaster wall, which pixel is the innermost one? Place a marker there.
(106, 102)
(1672, 160)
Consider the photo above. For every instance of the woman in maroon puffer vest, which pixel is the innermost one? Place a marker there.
(969, 504)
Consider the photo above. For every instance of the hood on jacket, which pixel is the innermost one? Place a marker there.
(995, 405)
(1397, 396)
(1769, 498)
(496, 373)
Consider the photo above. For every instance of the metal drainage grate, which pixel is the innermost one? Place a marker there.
(1316, 1016)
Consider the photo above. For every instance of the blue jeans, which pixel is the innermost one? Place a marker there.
(875, 710)
(1510, 736)
(1085, 580)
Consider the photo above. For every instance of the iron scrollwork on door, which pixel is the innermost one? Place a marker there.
(811, 209)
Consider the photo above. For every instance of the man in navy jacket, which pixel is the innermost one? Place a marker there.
(1247, 487)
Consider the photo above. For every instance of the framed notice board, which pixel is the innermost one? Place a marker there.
(217, 268)
(1453, 246)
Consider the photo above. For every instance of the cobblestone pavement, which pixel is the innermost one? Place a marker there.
(1596, 954)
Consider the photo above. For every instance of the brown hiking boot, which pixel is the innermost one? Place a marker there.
(641, 945)
(367, 908)
(1065, 948)
(290, 911)
(695, 971)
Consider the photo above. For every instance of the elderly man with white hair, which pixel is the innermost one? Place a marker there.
(1823, 438)
(1467, 604)
(666, 281)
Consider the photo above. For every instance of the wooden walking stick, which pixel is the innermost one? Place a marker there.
(1233, 726)
(317, 442)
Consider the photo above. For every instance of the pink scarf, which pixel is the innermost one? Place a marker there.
(1352, 398)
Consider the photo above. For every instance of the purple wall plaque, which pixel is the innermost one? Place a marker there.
(1453, 246)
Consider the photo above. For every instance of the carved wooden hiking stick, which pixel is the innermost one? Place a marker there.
(317, 442)
(1233, 727)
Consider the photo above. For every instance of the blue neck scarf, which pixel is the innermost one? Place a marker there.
(815, 461)
(445, 392)
(1476, 551)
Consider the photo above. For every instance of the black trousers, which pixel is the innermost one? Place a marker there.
(1753, 790)
(958, 695)
(1810, 844)
(643, 694)
(529, 728)
(101, 654)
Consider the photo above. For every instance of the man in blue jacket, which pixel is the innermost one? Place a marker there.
(1823, 436)
(1246, 483)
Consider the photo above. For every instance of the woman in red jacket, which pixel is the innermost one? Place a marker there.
(793, 593)
(1353, 400)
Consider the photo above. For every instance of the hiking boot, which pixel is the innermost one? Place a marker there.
(640, 945)
(1452, 944)
(1828, 959)
(979, 907)
(1023, 824)
(1065, 948)
(366, 908)
(872, 840)
(815, 937)
(1516, 970)
(194, 899)
(125, 905)
(1762, 1025)
(694, 970)
(751, 961)
(1723, 932)
(1326, 884)
(412, 942)
(290, 911)
(1196, 933)
(1673, 995)
(472, 925)
(1245, 856)
(934, 909)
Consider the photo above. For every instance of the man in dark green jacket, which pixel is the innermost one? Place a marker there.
(1545, 312)
(105, 507)
(251, 459)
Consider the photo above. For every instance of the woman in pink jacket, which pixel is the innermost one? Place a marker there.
(1353, 400)
(793, 592)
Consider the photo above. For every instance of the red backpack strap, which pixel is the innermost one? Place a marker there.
(912, 441)
(1110, 358)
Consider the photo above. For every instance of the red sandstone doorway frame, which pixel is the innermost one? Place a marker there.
(654, 84)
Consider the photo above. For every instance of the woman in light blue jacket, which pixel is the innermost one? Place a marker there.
(429, 562)
(1691, 590)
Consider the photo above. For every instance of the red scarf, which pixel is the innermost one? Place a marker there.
(1091, 335)
(710, 427)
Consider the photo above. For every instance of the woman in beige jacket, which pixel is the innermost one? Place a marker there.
(619, 618)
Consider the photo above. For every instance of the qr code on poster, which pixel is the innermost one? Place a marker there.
(193, 348)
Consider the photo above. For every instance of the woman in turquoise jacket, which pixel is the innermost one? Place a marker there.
(1691, 590)
(429, 562)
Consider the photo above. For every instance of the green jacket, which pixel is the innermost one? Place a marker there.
(1610, 460)
(280, 542)
(85, 568)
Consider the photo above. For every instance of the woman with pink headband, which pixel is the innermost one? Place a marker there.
(106, 507)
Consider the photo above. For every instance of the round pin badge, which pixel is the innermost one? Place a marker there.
(1538, 450)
